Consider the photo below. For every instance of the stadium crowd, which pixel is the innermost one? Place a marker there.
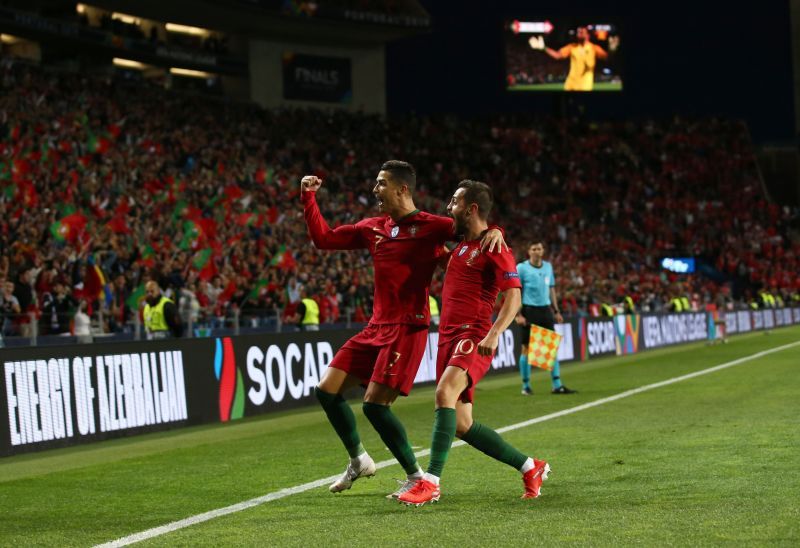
(106, 184)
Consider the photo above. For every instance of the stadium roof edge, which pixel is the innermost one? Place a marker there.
(255, 21)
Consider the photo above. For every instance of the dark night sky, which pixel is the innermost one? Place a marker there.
(696, 57)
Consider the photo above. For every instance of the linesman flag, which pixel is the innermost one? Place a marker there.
(543, 347)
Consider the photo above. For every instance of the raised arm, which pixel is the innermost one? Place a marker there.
(600, 53)
(537, 43)
(323, 236)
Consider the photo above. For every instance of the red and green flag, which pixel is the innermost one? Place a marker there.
(204, 263)
(180, 211)
(191, 235)
(227, 293)
(135, 298)
(257, 287)
(248, 219)
(69, 228)
(202, 258)
(283, 259)
(147, 256)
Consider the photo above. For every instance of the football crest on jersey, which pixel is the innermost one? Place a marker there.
(475, 253)
(462, 251)
(395, 231)
(413, 230)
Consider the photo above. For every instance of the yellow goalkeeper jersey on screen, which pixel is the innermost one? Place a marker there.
(581, 66)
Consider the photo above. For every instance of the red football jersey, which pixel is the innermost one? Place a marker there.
(471, 285)
(404, 255)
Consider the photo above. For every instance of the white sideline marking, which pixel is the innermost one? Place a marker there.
(200, 518)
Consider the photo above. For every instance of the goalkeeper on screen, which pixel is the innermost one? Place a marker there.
(582, 55)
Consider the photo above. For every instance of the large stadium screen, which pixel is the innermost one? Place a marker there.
(563, 54)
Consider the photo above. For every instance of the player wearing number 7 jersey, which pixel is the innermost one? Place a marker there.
(404, 243)
(467, 342)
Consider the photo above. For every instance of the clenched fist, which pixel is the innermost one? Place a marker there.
(310, 183)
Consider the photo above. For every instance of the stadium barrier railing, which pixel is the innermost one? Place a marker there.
(32, 329)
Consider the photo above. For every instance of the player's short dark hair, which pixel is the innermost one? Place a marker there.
(403, 171)
(478, 193)
(535, 241)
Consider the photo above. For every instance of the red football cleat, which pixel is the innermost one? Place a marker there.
(534, 477)
(422, 492)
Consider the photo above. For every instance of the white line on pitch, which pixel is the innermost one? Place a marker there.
(200, 518)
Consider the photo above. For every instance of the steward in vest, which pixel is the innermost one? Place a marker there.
(628, 304)
(767, 300)
(307, 312)
(161, 319)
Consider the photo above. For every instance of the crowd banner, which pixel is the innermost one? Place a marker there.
(62, 396)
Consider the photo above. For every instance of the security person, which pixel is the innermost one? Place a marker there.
(767, 300)
(307, 312)
(628, 305)
(676, 303)
(161, 319)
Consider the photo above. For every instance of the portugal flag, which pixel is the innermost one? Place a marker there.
(69, 228)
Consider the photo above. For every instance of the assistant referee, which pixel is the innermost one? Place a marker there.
(539, 307)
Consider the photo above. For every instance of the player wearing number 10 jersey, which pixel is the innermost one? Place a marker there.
(467, 342)
(385, 356)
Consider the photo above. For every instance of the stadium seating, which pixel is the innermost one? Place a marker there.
(107, 183)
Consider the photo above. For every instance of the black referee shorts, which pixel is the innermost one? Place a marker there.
(537, 315)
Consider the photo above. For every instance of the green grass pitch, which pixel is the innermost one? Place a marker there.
(599, 86)
(711, 460)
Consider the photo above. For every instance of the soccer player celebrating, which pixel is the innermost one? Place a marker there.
(539, 307)
(467, 342)
(404, 243)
